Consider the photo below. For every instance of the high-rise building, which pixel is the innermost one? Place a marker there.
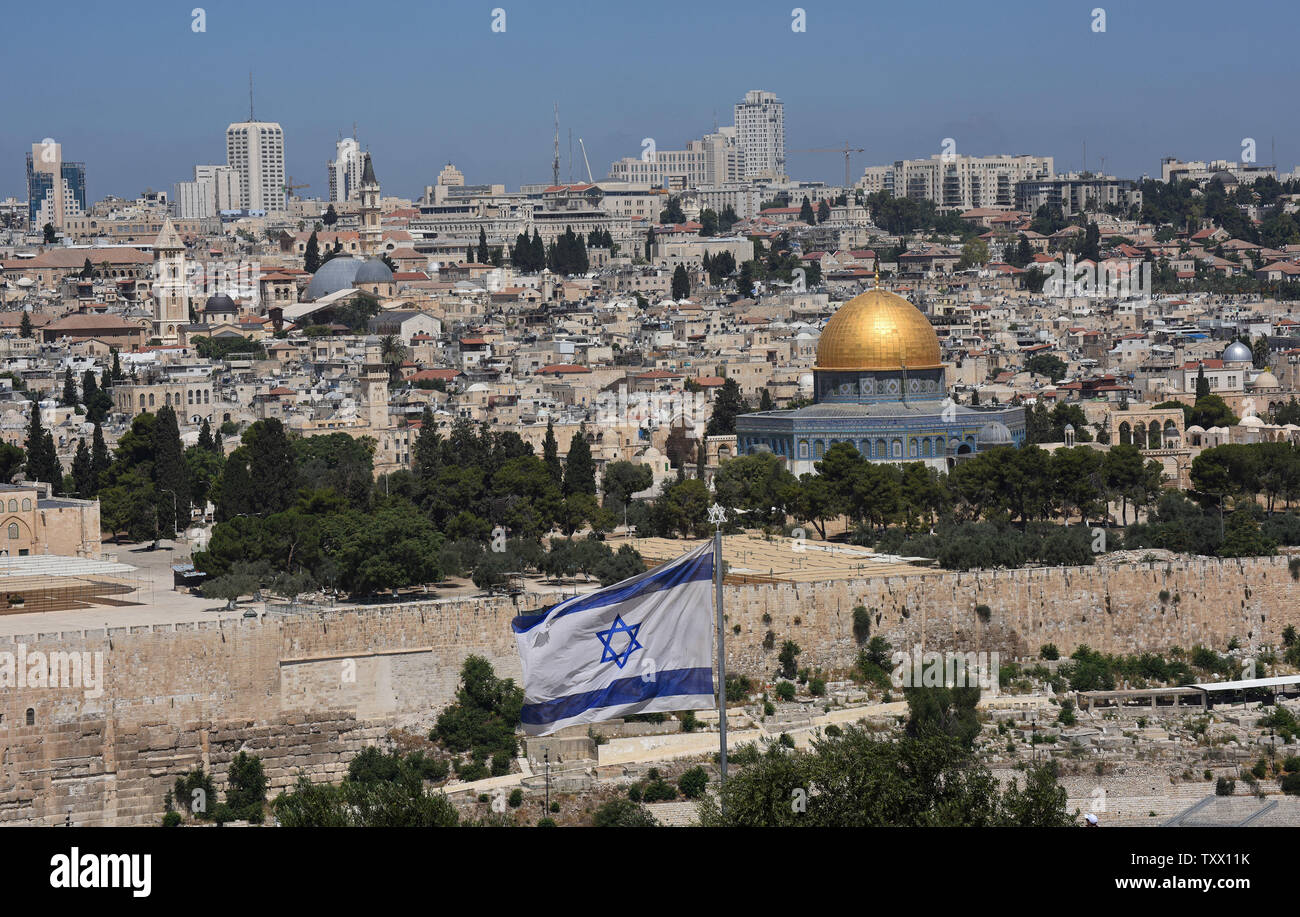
(760, 135)
(55, 189)
(255, 149)
(345, 170)
(214, 189)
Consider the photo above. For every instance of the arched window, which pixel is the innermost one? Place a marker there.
(13, 531)
(27, 504)
(141, 399)
(189, 396)
(897, 447)
(13, 506)
(151, 399)
(31, 716)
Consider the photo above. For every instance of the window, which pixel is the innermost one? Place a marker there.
(31, 716)
(13, 530)
(13, 506)
(27, 504)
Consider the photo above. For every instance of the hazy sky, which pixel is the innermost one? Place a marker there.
(130, 89)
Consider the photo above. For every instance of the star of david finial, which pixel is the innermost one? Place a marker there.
(717, 514)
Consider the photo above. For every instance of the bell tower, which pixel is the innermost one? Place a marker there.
(371, 229)
(171, 300)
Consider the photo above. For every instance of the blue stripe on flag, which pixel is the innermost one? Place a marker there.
(664, 577)
(622, 691)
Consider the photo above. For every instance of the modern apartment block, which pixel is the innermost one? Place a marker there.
(255, 149)
(56, 189)
(214, 189)
(345, 170)
(1077, 191)
(713, 160)
(760, 135)
(751, 149)
(958, 182)
(1175, 169)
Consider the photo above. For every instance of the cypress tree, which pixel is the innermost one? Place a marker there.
(99, 458)
(83, 472)
(311, 259)
(538, 253)
(69, 387)
(271, 471)
(170, 472)
(551, 455)
(236, 495)
(25, 325)
(53, 468)
(579, 469)
(205, 437)
(37, 465)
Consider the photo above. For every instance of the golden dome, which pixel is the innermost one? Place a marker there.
(878, 330)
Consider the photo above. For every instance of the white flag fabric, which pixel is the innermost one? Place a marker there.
(640, 646)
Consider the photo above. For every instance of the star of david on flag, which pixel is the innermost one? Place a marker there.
(643, 645)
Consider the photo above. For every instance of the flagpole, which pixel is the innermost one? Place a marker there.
(717, 519)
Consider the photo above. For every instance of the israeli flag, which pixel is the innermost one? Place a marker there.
(640, 646)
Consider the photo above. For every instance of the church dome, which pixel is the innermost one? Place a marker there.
(332, 276)
(220, 302)
(1237, 352)
(878, 330)
(373, 271)
(1264, 381)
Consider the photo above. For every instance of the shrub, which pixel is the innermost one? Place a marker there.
(1291, 784)
(786, 739)
(171, 819)
(817, 687)
(1224, 786)
(693, 782)
(833, 731)
(785, 691)
(861, 624)
(546, 822)
(689, 722)
(1049, 651)
(555, 807)
(516, 798)
(984, 612)
(1291, 764)
(659, 790)
(623, 813)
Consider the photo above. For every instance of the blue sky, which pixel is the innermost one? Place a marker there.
(141, 98)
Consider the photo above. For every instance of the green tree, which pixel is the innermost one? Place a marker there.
(579, 467)
(728, 404)
(311, 258)
(681, 284)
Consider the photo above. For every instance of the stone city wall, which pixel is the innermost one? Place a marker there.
(308, 692)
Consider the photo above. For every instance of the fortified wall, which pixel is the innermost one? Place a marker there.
(306, 693)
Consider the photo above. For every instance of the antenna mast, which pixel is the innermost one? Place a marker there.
(250, 96)
(555, 161)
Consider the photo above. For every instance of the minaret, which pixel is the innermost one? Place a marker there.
(171, 300)
(371, 230)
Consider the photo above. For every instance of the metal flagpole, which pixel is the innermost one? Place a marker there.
(717, 515)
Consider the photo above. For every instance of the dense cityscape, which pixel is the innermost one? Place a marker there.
(993, 460)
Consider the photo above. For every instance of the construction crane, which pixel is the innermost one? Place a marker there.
(846, 150)
(590, 180)
(290, 187)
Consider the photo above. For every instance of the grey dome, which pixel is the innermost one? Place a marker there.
(1238, 352)
(373, 271)
(220, 302)
(332, 276)
(994, 434)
